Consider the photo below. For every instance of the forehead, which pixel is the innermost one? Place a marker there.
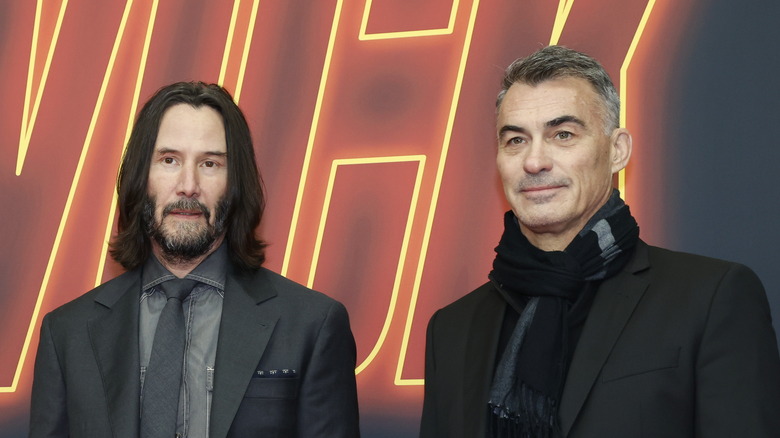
(183, 125)
(540, 103)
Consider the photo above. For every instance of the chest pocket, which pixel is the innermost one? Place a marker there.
(273, 388)
(277, 399)
(641, 363)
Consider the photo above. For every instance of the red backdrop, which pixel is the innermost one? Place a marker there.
(374, 130)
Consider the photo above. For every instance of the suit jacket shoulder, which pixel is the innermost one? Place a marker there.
(666, 262)
(466, 305)
(86, 380)
(289, 289)
(665, 349)
(106, 294)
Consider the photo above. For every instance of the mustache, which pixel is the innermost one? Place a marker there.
(541, 180)
(187, 204)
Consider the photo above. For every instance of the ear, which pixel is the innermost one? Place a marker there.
(620, 151)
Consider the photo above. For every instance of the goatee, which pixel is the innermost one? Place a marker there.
(184, 242)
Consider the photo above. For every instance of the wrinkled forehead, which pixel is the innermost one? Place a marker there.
(550, 99)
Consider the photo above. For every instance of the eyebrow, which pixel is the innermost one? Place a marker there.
(558, 121)
(511, 128)
(171, 150)
(550, 124)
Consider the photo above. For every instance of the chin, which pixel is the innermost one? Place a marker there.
(543, 223)
(182, 230)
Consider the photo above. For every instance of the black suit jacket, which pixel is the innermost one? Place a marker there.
(675, 345)
(87, 381)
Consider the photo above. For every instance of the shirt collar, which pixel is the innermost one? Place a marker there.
(211, 271)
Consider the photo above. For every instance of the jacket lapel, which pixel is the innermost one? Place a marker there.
(612, 307)
(480, 357)
(244, 331)
(113, 333)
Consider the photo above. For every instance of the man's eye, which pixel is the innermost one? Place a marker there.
(168, 160)
(209, 164)
(563, 135)
(515, 140)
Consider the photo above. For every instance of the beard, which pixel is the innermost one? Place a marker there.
(184, 242)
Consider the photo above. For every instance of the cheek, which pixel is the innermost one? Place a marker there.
(508, 181)
(152, 189)
(215, 198)
(505, 171)
(222, 190)
(593, 182)
(160, 206)
(159, 185)
(216, 193)
(217, 186)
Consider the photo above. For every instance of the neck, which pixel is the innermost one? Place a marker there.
(181, 267)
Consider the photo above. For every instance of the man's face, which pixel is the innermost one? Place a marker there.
(555, 159)
(187, 183)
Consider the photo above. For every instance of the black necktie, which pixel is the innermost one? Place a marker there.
(162, 382)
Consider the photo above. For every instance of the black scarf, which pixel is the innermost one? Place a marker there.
(529, 378)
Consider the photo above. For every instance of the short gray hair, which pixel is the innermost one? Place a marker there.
(555, 62)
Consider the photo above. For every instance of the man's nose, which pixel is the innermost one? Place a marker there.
(538, 159)
(188, 184)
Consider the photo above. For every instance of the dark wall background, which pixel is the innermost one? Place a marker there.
(723, 194)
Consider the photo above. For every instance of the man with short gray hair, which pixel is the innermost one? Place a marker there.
(584, 330)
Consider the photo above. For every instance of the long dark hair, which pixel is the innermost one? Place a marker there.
(131, 246)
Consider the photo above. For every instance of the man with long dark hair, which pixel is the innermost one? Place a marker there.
(196, 339)
(584, 330)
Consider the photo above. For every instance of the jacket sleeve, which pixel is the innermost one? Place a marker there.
(738, 367)
(328, 404)
(428, 421)
(48, 410)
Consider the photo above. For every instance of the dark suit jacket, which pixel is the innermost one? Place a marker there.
(675, 345)
(87, 369)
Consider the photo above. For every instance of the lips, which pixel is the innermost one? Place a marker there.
(539, 192)
(541, 184)
(185, 213)
(186, 208)
(539, 189)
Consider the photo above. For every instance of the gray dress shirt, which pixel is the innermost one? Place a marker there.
(202, 313)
